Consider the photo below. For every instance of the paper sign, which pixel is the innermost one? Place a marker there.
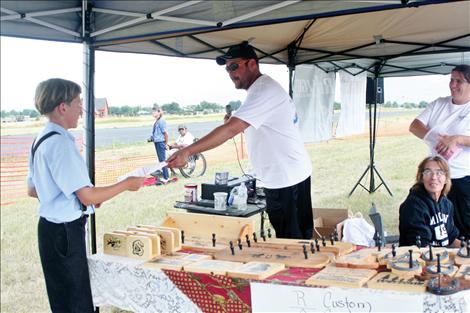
(143, 171)
(284, 298)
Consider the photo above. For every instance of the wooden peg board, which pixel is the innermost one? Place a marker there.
(391, 281)
(189, 256)
(227, 228)
(256, 270)
(288, 257)
(216, 267)
(203, 246)
(341, 277)
(338, 247)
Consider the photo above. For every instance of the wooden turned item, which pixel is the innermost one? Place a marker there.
(438, 268)
(406, 268)
(443, 285)
(463, 255)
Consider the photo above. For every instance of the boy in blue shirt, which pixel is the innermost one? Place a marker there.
(58, 177)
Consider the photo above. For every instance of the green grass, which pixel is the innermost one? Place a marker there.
(337, 164)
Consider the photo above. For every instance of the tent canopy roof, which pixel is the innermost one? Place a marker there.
(386, 38)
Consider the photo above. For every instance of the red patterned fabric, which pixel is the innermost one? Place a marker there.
(293, 275)
(213, 293)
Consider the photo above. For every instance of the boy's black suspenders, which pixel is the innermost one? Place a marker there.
(34, 147)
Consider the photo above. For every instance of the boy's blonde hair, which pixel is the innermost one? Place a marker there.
(52, 92)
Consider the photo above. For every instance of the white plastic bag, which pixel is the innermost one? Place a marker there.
(357, 231)
(432, 138)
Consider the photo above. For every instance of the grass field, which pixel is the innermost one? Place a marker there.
(337, 164)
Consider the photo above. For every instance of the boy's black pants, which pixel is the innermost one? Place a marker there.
(64, 262)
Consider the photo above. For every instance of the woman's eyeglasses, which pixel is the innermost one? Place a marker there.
(428, 172)
(233, 67)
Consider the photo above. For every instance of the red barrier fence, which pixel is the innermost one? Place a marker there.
(14, 166)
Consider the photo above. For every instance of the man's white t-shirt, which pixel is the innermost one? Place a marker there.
(186, 140)
(275, 147)
(445, 117)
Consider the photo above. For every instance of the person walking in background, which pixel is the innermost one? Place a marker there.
(275, 147)
(58, 178)
(160, 139)
(445, 126)
(427, 212)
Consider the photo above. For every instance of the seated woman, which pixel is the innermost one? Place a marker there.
(426, 211)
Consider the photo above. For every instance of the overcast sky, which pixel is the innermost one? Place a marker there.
(137, 79)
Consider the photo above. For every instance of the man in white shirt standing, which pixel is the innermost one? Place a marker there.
(275, 147)
(184, 139)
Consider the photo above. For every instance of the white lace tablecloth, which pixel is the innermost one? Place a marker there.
(117, 281)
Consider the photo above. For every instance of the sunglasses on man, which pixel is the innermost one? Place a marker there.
(234, 66)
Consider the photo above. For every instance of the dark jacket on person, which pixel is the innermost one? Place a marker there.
(433, 221)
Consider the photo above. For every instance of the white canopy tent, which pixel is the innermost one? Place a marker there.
(382, 38)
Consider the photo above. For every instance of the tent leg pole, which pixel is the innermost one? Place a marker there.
(89, 99)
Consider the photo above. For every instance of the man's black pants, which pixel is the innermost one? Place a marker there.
(64, 262)
(290, 210)
(460, 196)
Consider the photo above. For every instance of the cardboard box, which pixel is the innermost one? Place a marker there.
(325, 221)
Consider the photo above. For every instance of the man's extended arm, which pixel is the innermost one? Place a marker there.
(215, 138)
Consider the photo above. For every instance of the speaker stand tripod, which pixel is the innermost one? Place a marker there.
(371, 167)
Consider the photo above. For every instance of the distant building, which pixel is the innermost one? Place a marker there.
(101, 107)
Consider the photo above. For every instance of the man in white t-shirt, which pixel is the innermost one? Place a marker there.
(184, 139)
(275, 148)
(445, 126)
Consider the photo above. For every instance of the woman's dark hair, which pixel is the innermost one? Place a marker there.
(464, 69)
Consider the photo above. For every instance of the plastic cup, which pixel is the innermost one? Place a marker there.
(220, 201)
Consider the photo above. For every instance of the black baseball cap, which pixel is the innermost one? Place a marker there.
(242, 50)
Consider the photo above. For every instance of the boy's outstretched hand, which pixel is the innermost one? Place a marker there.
(134, 183)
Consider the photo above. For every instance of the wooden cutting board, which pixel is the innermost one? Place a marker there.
(338, 247)
(216, 267)
(364, 258)
(464, 272)
(175, 264)
(391, 281)
(341, 277)
(256, 270)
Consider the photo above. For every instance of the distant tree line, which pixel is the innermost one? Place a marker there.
(203, 107)
(20, 115)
